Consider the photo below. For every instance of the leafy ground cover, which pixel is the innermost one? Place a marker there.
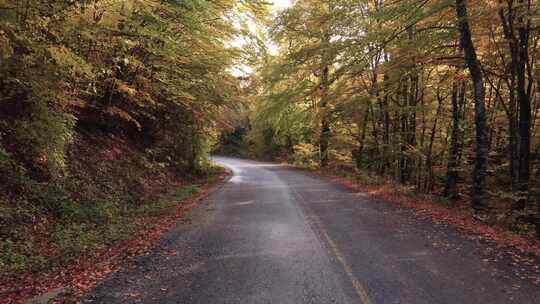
(114, 203)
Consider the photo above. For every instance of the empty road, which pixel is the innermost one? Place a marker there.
(273, 234)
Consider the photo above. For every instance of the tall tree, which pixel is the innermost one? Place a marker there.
(479, 201)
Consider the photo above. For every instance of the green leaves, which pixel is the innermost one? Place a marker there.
(67, 61)
(131, 62)
(46, 135)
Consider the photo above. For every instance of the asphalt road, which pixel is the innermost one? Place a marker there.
(278, 235)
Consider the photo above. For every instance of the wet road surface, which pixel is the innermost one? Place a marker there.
(278, 235)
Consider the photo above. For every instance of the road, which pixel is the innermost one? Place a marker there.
(274, 234)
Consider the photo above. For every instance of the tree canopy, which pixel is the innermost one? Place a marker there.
(440, 96)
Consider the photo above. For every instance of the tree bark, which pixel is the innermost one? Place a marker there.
(479, 202)
(430, 180)
(362, 128)
(520, 116)
(514, 70)
(386, 128)
(324, 138)
(524, 109)
(456, 143)
(404, 166)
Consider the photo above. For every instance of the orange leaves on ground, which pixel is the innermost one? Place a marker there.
(457, 217)
(92, 268)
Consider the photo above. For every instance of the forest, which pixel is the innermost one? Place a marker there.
(111, 108)
(108, 112)
(440, 97)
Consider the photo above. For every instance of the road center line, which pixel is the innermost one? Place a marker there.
(357, 285)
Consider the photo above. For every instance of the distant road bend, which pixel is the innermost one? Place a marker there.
(278, 235)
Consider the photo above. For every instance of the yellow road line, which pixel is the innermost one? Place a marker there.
(358, 287)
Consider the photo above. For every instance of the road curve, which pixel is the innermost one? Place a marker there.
(278, 235)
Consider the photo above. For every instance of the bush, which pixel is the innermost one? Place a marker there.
(57, 202)
(12, 174)
(76, 238)
(43, 136)
(167, 201)
(306, 155)
(13, 259)
(10, 259)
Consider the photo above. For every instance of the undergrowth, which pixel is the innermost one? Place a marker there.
(47, 225)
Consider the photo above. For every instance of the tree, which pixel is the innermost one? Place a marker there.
(404, 90)
(479, 201)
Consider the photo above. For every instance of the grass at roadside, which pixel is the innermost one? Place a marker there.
(77, 228)
(85, 241)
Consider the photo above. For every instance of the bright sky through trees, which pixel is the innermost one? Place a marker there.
(240, 41)
(281, 4)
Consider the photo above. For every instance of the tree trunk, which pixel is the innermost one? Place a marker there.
(456, 143)
(404, 166)
(386, 128)
(524, 109)
(428, 184)
(362, 127)
(411, 113)
(324, 138)
(520, 130)
(512, 70)
(479, 202)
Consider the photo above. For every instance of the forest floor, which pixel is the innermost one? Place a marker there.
(114, 205)
(74, 279)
